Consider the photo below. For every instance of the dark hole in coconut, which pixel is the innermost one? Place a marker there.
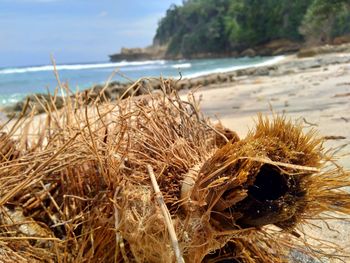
(269, 184)
(265, 203)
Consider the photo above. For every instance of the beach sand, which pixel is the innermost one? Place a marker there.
(318, 97)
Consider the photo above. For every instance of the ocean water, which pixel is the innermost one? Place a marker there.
(16, 83)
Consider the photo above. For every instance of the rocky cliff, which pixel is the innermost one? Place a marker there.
(272, 48)
(139, 54)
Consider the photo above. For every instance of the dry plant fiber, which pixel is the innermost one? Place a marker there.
(75, 185)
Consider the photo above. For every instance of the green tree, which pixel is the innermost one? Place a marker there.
(221, 26)
(254, 22)
(323, 19)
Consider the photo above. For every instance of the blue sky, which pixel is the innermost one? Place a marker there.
(75, 30)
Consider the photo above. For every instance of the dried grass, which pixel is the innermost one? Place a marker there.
(74, 185)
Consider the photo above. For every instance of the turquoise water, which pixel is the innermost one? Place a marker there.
(16, 83)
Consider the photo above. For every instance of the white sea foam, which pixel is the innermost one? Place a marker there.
(10, 99)
(138, 68)
(223, 70)
(182, 65)
(81, 66)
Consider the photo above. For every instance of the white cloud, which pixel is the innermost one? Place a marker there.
(103, 14)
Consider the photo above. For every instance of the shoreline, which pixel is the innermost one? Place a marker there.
(283, 64)
(276, 66)
(137, 69)
(280, 66)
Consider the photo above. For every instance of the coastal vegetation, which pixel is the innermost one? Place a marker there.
(227, 26)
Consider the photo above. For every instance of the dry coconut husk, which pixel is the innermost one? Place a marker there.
(150, 179)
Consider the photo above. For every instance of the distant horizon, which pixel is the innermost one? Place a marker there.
(69, 63)
(61, 63)
(74, 32)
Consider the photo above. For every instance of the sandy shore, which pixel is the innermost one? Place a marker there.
(318, 96)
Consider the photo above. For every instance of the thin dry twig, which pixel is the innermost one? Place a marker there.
(118, 237)
(310, 123)
(166, 215)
